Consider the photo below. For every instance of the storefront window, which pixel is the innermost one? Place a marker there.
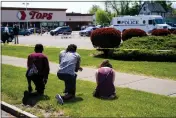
(61, 23)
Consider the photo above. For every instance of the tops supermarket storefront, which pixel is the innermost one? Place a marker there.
(43, 17)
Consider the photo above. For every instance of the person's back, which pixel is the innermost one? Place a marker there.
(38, 69)
(40, 61)
(105, 85)
(15, 30)
(68, 62)
(105, 77)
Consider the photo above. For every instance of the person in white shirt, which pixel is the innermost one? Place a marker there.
(69, 61)
(6, 29)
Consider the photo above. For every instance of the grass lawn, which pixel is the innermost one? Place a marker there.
(156, 69)
(130, 102)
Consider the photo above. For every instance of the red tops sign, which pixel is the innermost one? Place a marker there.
(34, 15)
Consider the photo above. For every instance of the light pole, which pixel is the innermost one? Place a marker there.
(26, 4)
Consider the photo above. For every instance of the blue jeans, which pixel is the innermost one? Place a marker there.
(70, 82)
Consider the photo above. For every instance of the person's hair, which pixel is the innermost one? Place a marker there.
(105, 63)
(38, 48)
(71, 48)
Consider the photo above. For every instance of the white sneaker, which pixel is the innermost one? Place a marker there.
(59, 99)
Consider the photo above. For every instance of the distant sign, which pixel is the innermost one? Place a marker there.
(130, 21)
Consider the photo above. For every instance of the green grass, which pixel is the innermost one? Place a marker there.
(151, 43)
(156, 69)
(130, 102)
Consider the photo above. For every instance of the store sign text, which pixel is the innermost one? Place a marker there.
(21, 15)
(38, 15)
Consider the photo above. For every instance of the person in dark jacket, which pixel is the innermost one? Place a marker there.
(38, 69)
(105, 77)
(5, 35)
(15, 32)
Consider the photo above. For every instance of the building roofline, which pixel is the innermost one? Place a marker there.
(22, 8)
(78, 14)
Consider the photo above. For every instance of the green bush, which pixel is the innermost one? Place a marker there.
(151, 43)
(145, 55)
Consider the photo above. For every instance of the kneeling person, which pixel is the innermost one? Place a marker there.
(69, 61)
(38, 69)
(105, 77)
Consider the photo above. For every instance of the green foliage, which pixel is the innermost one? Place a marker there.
(165, 4)
(134, 9)
(123, 7)
(131, 103)
(102, 17)
(145, 55)
(151, 43)
(94, 9)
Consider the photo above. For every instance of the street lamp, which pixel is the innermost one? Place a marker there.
(26, 4)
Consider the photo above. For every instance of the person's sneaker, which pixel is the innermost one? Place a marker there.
(59, 99)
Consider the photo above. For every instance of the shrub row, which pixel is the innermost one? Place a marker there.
(111, 38)
(145, 55)
(151, 43)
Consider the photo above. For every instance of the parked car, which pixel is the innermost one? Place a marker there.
(83, 27)
(31, 30)
(36, 30)
(99, 26)
(11, 35)
(24, 32)
(61, 30)
(87, 31)
(171, 24)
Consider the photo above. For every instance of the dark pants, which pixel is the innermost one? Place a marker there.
(70, 82)
(5, 37)
(16, 39)
(38, 81)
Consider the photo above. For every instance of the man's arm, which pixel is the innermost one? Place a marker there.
(28, 61)
(113, 75)
(96, 76)
(78, 64)
(47, 68)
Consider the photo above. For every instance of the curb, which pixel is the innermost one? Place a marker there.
(16, 111)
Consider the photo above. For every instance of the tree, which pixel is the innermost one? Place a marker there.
(165, 4)
(94, 9)
(134, 10)
(120, 7)
(102, 17)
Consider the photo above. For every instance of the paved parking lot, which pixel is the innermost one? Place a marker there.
(57, 41)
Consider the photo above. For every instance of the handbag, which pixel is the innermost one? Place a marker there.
(32, 70)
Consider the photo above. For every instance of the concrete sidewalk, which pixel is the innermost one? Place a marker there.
(143, 83)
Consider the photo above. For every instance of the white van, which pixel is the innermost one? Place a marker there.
(143, 22)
